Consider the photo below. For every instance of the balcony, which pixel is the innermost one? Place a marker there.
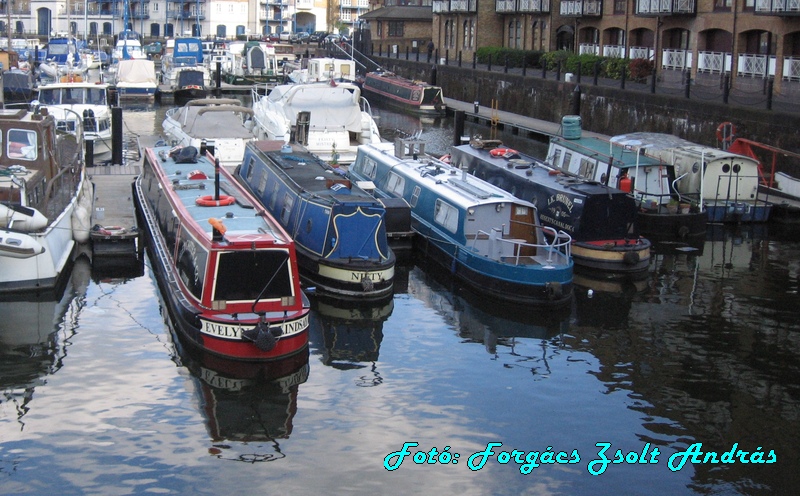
(755, 65)
(588, 49)
(652, 8)
(675, 59)
(582, 8)
(505, 6)
(791, 69)
(714, 62)
(640, 53)
(141, 13)
(186, 14)
(441, 6)
(464, 6)
(778, 7)
(534, 6)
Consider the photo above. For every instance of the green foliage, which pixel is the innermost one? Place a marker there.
(614, 67)
(516, 57)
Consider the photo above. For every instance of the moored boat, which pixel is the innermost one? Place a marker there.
(339, 229)
(598, 218)
(249, 63)
(660, 217)
(222, 123)
(17, 85)
(324, 69)
(725, 183)
(488, 239)
(81, 104)
(406, 94)
(226, 268)
(329, 120)
(136, 79)
(183, 70)
(45, 201)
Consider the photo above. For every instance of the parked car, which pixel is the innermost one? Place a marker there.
(332, 38)
(317, 36)
(301, 37)
(285, 36)
(273, 37)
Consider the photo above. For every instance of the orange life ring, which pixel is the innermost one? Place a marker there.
(209, 201)
(503, 152)
(445, 158)
(726, 131)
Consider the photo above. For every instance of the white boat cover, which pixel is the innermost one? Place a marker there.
(213, 121)
(331, 105)
(137, 72)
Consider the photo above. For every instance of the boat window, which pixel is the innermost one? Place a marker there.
(273, 199)
(286, 211)
(96, 96)
(369, 168)
(246, 275)
(22, 144)
(250, 168)
(556, 158)
(49, 97)
(415, 196)
(2, 148)
(396, 184)
(586, 168)
(567, 160)
(446, 216)
(262, 183)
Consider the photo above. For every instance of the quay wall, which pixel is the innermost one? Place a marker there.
(606, 110)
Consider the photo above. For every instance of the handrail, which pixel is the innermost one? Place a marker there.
(562, 242)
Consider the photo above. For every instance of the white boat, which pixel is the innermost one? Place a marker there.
(329, 119)
(129, 46)
(324, 69)
(47, 201)
(81, 104)
(252, 62)
(222, 126)
(725, 183)
(136, 78)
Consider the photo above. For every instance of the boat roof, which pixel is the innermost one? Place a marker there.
(73, 84)
(309, 173)
(246, 220)
(458, 187)
(663, 146)
(603, 151)
(537, 171)
(213, 118)
(332, 106)
(136, 71)
(399, 80)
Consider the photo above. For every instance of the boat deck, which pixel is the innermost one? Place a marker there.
(115, 230)
(311, 174)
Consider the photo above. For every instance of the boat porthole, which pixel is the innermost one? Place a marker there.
(695, 167)
(308, 226)
(726, 168)
(736, 168)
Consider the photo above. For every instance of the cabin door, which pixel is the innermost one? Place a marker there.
(522, 227)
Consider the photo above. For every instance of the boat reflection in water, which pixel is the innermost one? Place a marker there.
(477, 320)
(605, 302)
(704, 347)
(34, 336)
(247, 406)
(350, 333)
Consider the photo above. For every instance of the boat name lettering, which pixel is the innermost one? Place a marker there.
(561, 198)
(213, 379)
(373, 276)
(546, 219)
(294, 326)
(222, 330)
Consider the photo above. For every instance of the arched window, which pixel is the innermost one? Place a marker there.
(107, 28)
(472, 33)
(155, 29)
(447, 33)
(222, 30)
(169, 30)
(20, 27)
(93, 29)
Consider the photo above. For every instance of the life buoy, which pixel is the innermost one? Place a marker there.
(726, 132)
(503, 152)
(209, 201)
(445, 158)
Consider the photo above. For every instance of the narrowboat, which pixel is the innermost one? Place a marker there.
(725, 183)
(598, 218)
(45, 201)
(339, 229)
(490, 241)
(226, 268)
(415, 96)
(660, 216)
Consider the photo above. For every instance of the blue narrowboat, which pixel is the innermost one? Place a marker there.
(488, 239)
(227, 270)
(339, 229)
(599, 218)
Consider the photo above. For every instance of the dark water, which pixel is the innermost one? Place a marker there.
(99, 397)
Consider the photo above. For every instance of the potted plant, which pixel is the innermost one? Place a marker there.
(672, 206)
(684, 207)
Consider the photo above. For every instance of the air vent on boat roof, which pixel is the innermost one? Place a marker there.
(469, 188)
